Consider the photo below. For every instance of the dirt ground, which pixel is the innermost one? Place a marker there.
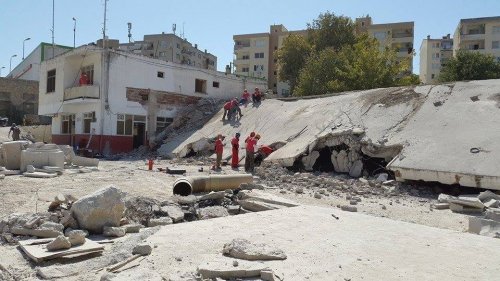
(22, 194)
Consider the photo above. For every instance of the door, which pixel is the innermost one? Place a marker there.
(139, 134)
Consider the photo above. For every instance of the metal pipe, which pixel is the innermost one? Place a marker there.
(195, 184)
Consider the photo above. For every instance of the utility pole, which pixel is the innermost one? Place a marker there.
(104, 27)
(74, 33)
(53, 14)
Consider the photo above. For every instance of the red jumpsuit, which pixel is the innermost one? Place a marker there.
(235, 159)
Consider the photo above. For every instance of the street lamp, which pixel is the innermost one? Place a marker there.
(1, 70)
(23, 45)
(74, 32)
(10, 63)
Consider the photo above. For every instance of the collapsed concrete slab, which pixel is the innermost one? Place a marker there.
(437, 132)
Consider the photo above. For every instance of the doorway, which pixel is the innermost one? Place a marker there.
(139, 134)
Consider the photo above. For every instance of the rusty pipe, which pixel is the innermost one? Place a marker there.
(188, 185)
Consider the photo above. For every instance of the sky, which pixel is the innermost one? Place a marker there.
(212, 23)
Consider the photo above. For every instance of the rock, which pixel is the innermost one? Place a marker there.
(342, 162)
(235, 263)
(250, 186)
(382, 177)
(212, 212)
(492, 203)
(445, 198)
(233, 209)
(492, 214)
(348, 208)
(42, 233)
(174, 212)
(69, 230)
(487, 195)
(224, 269)
(142, 249)
(484, 227)
(60, 243)
(110, 231)
(185, 200)
(364, 181)
(356, 169)
(76, 237)
(219, 195)
(30, 169)
(309, 160)
(104, 207)
(353, 202)
(51, 272)
(468, 201)
(267, 275)
(329, 188)
(244, 249)
(52, 226)
(69, 221)
(440, 206)
(464, 209)
(133, 228)
(160, 221)
(299, 190)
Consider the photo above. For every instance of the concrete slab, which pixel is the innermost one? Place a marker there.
(319, 247)
(451, 143)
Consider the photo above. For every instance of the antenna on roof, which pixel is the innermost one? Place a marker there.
(174, 28)
(129, 24)
(182, 32)
(104, 25)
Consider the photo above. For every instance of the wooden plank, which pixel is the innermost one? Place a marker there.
(37, 249)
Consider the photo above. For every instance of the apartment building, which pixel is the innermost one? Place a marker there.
(172, 48)
(254, 53)
(434, 54)
(398, 36)
(478, 35)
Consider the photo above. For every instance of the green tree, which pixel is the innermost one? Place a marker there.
(291, 58)
(329, 30)
(469, 65)
(358, 67)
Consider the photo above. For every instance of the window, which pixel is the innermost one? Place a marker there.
(274, 85)
(496, 29)
(432, 76)
(87, 119)
(67, 124)
(200, 86)
(275, 72)
(162, 123)
(124, 124)
(275, 48)
(260, 43)
(436, 55)
(162, 54)
(51, 81)
(178, 46)
(259, 55)
(160, 74)
(258, 67)
(215, 84)
(245, 69)
(163, 44)
(380, 36)
(178, 56)
(89, 72)
(245, 57)
(495, 45)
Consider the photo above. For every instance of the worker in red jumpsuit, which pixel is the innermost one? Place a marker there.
(250, 156)
(245, 98)
(235, 142)
(84, 80)
(227, 110)
(219, 148)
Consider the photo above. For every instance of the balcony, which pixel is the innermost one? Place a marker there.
(82, 92)
(239, 46)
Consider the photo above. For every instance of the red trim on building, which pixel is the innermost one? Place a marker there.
(116, 144)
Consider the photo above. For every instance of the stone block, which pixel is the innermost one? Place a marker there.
(110, 231)
(464, 209)
(160, 221)
(484, 227)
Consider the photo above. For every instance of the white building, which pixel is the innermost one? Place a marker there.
(127, 99)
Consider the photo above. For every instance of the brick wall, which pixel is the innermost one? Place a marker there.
(18, 97)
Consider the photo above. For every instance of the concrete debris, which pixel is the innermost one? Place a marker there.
(484, 227)
(267, 275)
(441, 206)
(77, 237)
(492, 203)
(468, 201)
(174, 212)
(214, 195)
(251, 186)
(49, 273)
(212, 212)
(60, 243)
(133, 228)
(445, 198)
(224, 269)
(382, 177)
(487, 195)
(356, 169)
(348, 208)
(160, 221)
(492, 214)
(104, 207)
(309, 160)
(244, 249)
(458, 208)
(142, 249)
(110, 231)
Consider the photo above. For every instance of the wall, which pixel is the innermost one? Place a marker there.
(18, 97)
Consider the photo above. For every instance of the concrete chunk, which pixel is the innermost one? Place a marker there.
(484, 227)
(226, 270)
(441, 206)
(160, 221)
(445, 198)
(468, 201)
(113, 231)
(60, 243)
(244, 249)
(464, 209)
(212, 212)
(174, 212)
(487, 196)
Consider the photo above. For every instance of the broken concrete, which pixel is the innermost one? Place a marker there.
(60, 243)
(244, 249)
(77, 237)
(212, 212)
(160, 221)
(174, 212)
(113, 231)
(142, 249)
(484, 227)
(224, 268)
(104, 207)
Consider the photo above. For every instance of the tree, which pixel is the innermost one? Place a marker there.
(358, 67)
(291, 58)
(329, 30)
(469, 65)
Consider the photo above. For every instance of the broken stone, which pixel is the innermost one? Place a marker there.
(492, 214)
(42, 233)
(357, 169)
(160, 221)
(212, 212)
(492, 203)
(60, 243)
(133, 228)
(76, 237)
(69, 221)
(185, 200)
(219, 195)
(484, 227)
(69, 230)
(244, 249)
(468, 201)
(353, 202)
(382, 177)
(464, 209)
(317, 195)
(111, 231)
(102, 208)
(250, 186)
(233, 209)
(299, 190)
(342, 162)
(487, 196)
(445, 198)
(224, 269)
(309, 160)
(52, 226)
(142, 249)
(174, 212)
(267, 275)
(348, 208)
(50, 272)
(441, 206)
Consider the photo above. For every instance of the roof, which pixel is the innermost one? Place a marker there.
(485, 19)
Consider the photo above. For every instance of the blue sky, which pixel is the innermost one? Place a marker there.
(212, 23)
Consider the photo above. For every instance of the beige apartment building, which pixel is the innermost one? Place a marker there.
(434, 54)
(476, 35)
(170, 47)
(254, 53)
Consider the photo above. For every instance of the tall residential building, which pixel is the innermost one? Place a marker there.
(479, 35)
(254, 53)
(397, 36)
(476, 35)
(172, 48)
(434, 53)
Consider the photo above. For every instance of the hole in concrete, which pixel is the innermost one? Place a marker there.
(374, 166)
(182, 189)
(324, 161)
(191, 153)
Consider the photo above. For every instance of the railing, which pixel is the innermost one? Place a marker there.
(83, 92)
(241, 46)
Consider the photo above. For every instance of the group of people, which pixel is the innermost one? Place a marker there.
(251, 153)
(232, 107)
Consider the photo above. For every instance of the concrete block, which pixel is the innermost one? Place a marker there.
(445, 198)
(487, 196)
(492, 214)
(484, 227)
(86, 162)
(468, 201)
(38, 157)
(441, 206)
(464, 209)
(492, 203)
(12, 154)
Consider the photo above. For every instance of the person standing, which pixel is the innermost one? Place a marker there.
(219, 148)
(256, 96)
(245, 98)
(15, 132)
(235, 142)
(250, 156)
(235, 107)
